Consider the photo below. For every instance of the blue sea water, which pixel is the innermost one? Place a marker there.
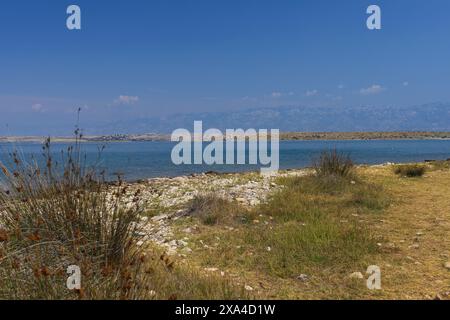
(140, 160)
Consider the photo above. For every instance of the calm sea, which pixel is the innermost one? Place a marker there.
(139, 160)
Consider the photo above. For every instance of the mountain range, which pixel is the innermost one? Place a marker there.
(426, 117)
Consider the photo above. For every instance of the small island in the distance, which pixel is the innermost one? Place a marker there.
(286, 136)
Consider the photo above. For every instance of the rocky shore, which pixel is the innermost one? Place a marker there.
(167, 199)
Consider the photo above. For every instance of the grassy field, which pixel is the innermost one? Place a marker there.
(308, 238)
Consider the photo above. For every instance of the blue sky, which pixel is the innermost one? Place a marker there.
(141, 58)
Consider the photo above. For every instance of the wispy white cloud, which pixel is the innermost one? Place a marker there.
(126, 100)
(37, 107)
(249, 99)
(276, 94)
(374, 89)
(311, 93)
(406, 83)
(279, 94)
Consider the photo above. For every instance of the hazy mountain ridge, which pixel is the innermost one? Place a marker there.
(428, 117)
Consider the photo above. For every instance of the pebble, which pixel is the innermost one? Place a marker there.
(187, 230)
(248, 288)
(356, 275)
(303, 277)
(447, 265)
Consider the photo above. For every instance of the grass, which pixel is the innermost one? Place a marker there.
(308, 227)
(212, 210)
(326, 233)
(410, 170)
(302, 248)
(170, 279)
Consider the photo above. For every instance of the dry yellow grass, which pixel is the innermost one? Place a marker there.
(418, 223)
(412, 232)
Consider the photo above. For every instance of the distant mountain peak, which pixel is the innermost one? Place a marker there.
(426, 117)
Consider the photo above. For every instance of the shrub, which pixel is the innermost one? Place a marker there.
(333, 163)
(54, 216)
(212, 209)
(410, 170)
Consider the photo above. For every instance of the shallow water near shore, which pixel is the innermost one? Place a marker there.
(140, 160)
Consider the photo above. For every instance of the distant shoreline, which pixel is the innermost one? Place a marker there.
(286, 136)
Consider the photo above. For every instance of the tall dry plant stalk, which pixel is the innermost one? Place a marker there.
(55, 214)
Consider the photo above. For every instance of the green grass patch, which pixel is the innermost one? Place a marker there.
(313, 228)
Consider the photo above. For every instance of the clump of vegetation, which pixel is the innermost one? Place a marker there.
(410, 170)
(440, 165)
(332, 163)
(54, 215)
(172, 281)
(212, 209)
(369, 196)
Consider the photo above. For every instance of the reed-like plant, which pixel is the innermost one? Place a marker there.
(59, 213)
(333, 163)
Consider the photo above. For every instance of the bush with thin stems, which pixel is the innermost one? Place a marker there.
(333, 163)
(53, 215)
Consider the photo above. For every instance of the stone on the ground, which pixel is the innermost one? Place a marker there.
(447, 265)
(356, 275)
(303, 277)
(187, 230)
